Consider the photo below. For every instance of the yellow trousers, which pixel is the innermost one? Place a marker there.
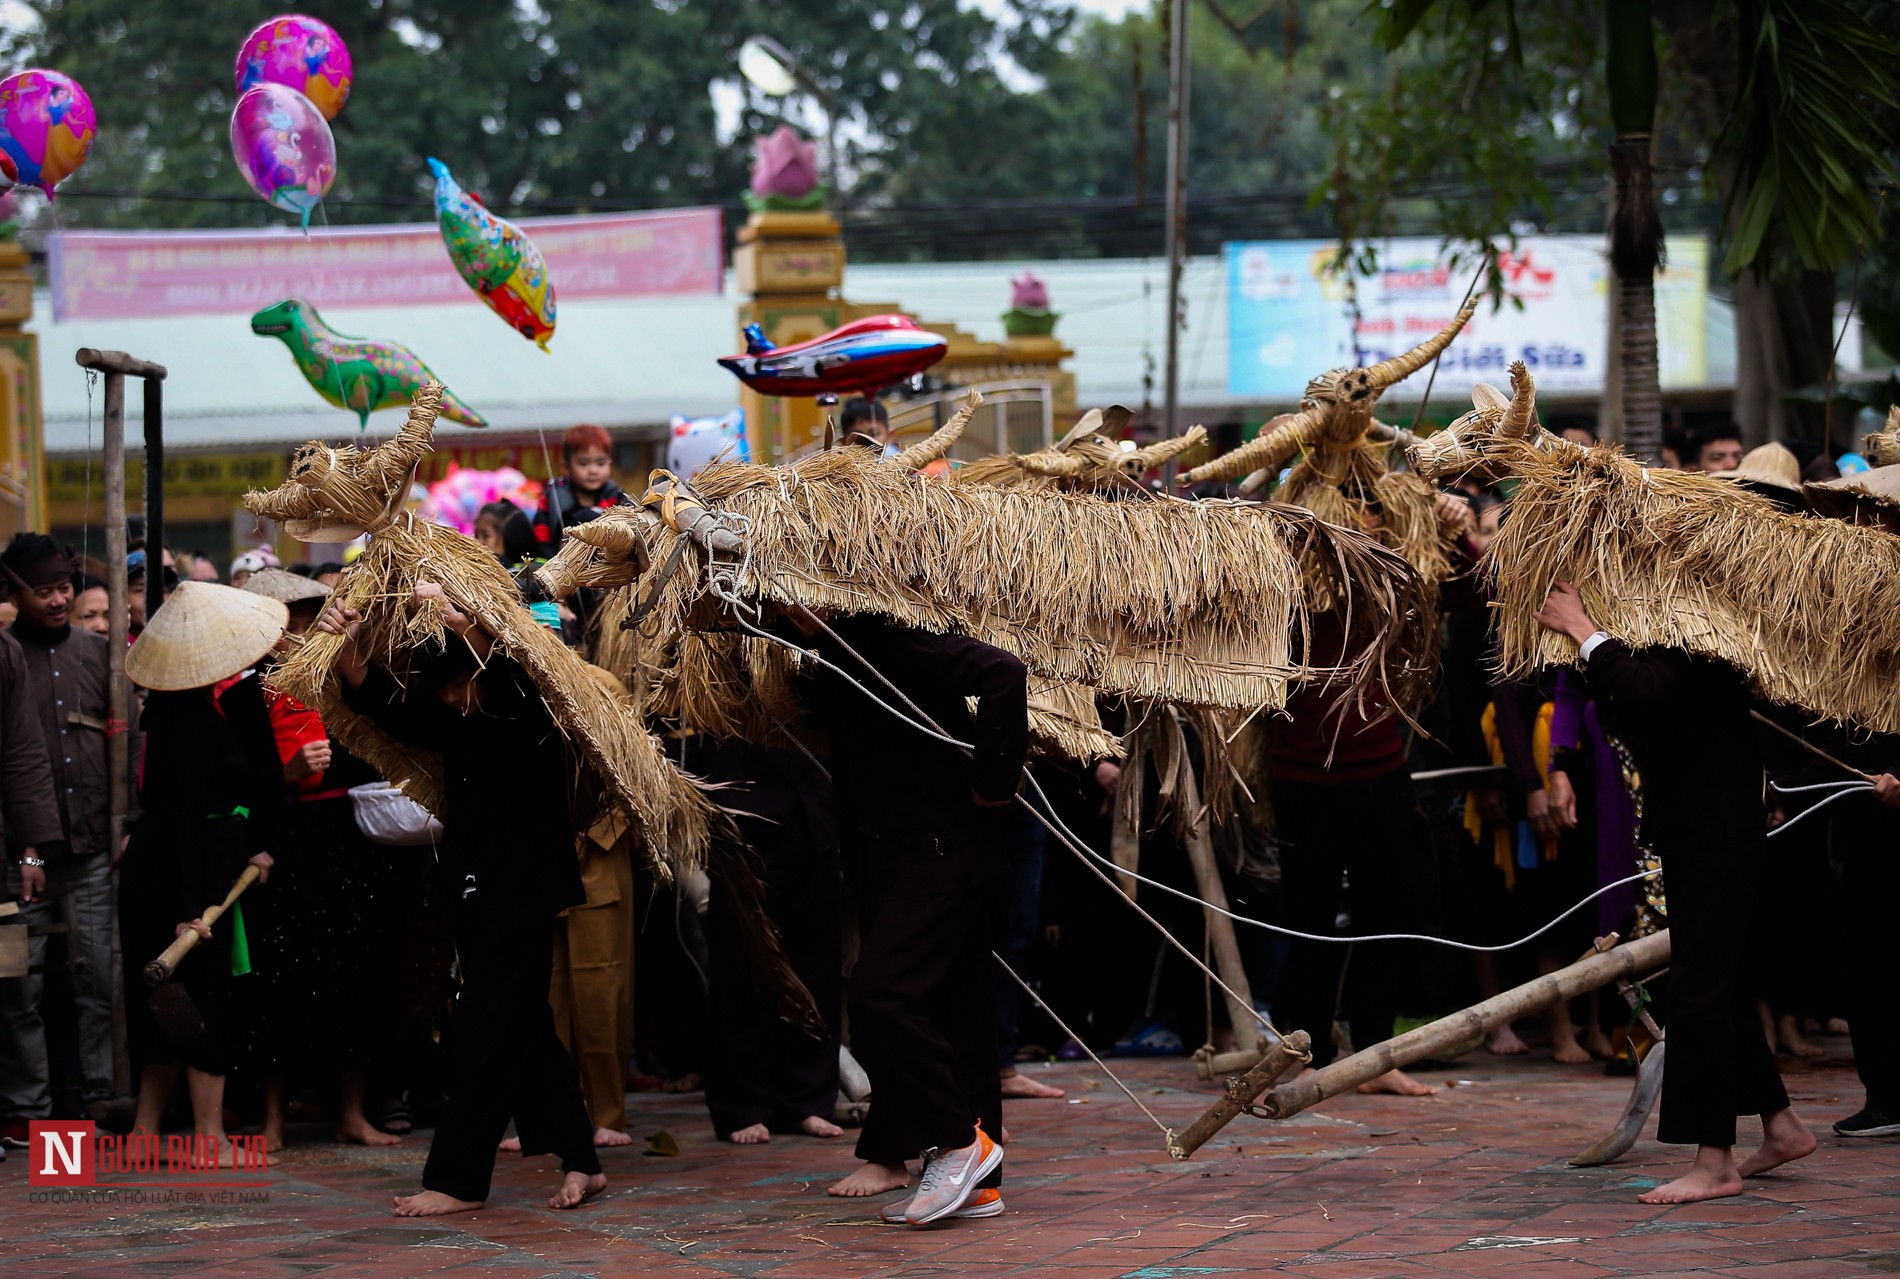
(592, 989)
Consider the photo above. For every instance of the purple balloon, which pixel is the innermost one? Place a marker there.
(283, 147)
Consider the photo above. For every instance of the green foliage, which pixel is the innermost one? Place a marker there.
(1482, 116)
(1805, 156)
(564, 104)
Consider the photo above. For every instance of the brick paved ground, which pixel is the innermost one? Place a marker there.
(1469, 1183)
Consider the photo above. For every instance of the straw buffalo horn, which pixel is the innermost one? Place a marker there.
(393, 462)
(926, 451)
(1270, 450)
(1520, 416)
(1399, 367)
(1161, 452)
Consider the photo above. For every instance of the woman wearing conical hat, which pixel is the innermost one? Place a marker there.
(210, 795)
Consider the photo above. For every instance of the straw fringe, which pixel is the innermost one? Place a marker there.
(1189, 602)
(1808, 609)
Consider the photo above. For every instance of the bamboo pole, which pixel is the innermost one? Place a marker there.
(118, 693)
(1294, 1050)
(1220, 929)
(1628, 960)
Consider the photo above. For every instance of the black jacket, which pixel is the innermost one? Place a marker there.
(212, 794)
(508, 778)
(904, 800)
(1685, 721)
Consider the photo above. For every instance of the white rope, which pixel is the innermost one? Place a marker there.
(1075, 845)
(1048, 820)
(1841, 791)
(1082, 1044)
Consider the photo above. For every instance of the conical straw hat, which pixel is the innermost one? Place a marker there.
(202, 634)
(283, 585)
(1771, 465)
(1879, 486)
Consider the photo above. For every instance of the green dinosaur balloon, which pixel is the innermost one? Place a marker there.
(353, 373)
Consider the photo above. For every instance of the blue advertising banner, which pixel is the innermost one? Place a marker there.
(1287, 315)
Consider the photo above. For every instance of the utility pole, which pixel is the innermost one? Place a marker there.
(1175, 221)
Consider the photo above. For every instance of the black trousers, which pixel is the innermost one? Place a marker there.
(506, 1062)
(1369, 831)
(923, 1022)
(1720, 1065)
(761, 1070)
(1871, 876)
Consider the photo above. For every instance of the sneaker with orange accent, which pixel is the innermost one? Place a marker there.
(984, 1203)
(950, 1178)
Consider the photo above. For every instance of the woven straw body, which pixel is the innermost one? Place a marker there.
(204, 633)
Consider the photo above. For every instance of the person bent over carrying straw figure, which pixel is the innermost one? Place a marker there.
(516, 868)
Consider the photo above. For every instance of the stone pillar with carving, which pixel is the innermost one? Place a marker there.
(22, 442)
(788, 265)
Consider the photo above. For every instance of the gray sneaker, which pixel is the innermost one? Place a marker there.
(984, 1203)
(950, 1179)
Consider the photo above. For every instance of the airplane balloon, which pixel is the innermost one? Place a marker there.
(859, 358)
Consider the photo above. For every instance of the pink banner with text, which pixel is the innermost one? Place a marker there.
(132, 274)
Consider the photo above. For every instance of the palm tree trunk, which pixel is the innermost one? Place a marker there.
(1636, 240)
(1636, 355)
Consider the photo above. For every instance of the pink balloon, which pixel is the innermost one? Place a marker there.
(46, 128)
(300, 53)
(283, 147)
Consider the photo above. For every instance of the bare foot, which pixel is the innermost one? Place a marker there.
(274, 1139)
(819, 1126)
(1398, 1084)
(1016, 1084)
(1598, 1044)
(612, 1137)
(750, 1135)
(510, 1145)
(1788, 1032)
(1700, 1184)
(433, 1203)
(1565, 1049)
(364, 1133)
(577, 1188)
(688, 1082)
(872, 1179)
(1505, 1043)
(1784, 1139)
(1837, 1026)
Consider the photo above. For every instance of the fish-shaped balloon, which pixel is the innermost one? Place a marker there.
(495, 259)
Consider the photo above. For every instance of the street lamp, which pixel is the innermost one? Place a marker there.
(771, 69)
